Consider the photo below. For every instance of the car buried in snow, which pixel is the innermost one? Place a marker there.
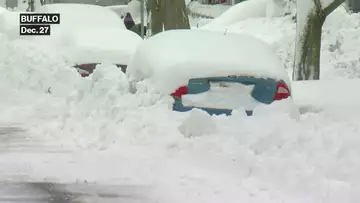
(94, 35)
(212, 71)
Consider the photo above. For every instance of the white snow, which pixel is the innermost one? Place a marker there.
(239, 12)
(339, 55)
(234, 96)
(92, 45)
(171, 58)
(83, 15)
(119, 9)
(135, 10)
(337, 94)
(275, 8)
(93, 130)
(2, 10)
(10, 24)
(133, 7)
(211, 11)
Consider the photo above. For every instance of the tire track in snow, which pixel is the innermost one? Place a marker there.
(17, 139)
(43, 192)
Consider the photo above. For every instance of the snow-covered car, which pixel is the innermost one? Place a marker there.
(213, 71)
(84, 15)
(92, 47)
(94, 35)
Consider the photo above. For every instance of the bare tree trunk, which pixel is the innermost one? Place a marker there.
(308, 65)
(176, 15)
(308, 39)
(168, 14)
(157, 16)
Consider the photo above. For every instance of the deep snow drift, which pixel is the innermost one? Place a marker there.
(108, 135)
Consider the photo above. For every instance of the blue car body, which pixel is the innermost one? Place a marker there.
(264, 91)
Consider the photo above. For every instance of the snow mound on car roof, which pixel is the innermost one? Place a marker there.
(83, 15)
(92, 45)
(171, 58)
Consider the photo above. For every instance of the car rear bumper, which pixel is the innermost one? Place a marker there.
(181, 108)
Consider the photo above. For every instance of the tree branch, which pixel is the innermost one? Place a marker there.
(317, 3)
(332, 6)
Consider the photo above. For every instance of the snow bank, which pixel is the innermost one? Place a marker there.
(339, 54)
(239, 12)
(135, 10)
(3, 10)
(84, 15)
(91, 45)
(119, 9)
(109, 136)
(171, 58)
(211, 11)
(337, 94)
(36, 66)
(102, 134)
(10, 24)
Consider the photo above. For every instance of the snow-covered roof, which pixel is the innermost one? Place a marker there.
(172, 57)
(83, 15)
(92, 45)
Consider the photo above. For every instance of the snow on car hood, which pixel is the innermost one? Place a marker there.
(106, 45)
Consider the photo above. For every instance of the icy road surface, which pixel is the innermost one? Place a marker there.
(15, 139)
(41, 192)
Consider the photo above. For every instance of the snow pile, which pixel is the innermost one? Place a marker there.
(239, 12)
(103, 111)
(211, 11)
(3, 10)
(10, 24)
(35, 66)
(340, 49)
(134, 8)
(113, 45)
(339, 54)
(168, 72)
(197, 22)
(119, 9)
(337, 94)
(192, 156)
(198, 123)
(84, 15)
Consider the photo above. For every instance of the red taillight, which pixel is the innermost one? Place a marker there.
(180, 92)
(282, 92)
(83, 73)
